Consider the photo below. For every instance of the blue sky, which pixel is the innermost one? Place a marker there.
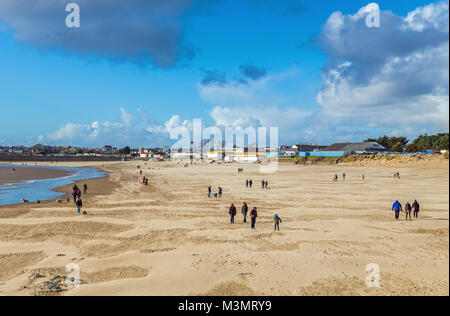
(135, 70)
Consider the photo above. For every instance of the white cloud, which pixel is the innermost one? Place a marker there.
(433, 16)
(395, 77)
(128, 130)
(256, 103)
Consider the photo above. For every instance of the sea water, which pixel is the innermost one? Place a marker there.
(42, 190)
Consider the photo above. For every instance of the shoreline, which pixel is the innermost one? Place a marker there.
(66, 190)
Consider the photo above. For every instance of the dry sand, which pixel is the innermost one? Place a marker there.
(168, 238)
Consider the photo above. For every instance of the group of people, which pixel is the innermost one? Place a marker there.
(249, 184)
(218, 194)
(336, 177)
(144, 178)
(253, 216)
(245, 209)
(397, 207)
(76, 194)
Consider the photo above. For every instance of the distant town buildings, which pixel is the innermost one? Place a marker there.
(209, 151)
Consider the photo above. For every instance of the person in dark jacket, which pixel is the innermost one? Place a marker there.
(85, 188)
(397, 208)
(245, 211)
(416, 209)
(220, 192)
(209, 191)
(232, 213)
(263, 183)
(254, 216)
(79, 205)
(246, 183)
(250, 183)
(408, 210)
(74, 194)
(277, 221)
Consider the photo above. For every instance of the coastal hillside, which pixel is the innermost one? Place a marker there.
(432, 161)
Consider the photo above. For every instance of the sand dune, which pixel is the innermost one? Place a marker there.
(168, 238)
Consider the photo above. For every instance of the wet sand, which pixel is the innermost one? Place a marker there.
(22, 174)
(168, 238)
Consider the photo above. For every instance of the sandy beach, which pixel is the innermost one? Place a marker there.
(21, 174)
(168, 238)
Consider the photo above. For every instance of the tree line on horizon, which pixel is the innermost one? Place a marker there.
(420, 144)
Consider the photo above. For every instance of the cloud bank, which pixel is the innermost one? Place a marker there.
(395, 76)
(141, 31)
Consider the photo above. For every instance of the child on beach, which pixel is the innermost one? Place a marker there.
(277, 221)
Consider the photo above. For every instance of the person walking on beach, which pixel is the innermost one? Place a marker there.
(246, 183)
(85, 188)
(220, 192)
(408, 210)
(209, 191)
(79, 205)
(74, 194)
(277, 221)
(397, 208)
(254, 216)
(263, 183)
(250, 183)
(364, 177)
(416, 209)
(245, 211)
(232, 213)
(343, 176)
